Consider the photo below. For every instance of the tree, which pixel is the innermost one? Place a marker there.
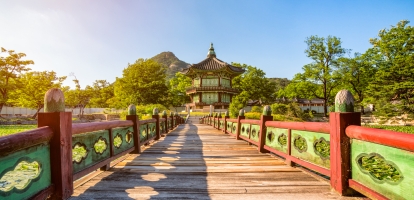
(101, 91)
(34, 86)
(318, 75)
(78, 98)
(392, 89)
(254, 83)
(10, 67)
(143, 82)
(177, 89)
(357, 73)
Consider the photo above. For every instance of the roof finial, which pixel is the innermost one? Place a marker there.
(211, 52)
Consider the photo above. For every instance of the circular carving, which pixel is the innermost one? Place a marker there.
(247, 130)
(100, 145)
(254, 133)
(300, 144)
(20, 177)
(79, 152)
(270, 136)
(379, 169)
(243, 130)
(128, 137)
(322, 148)
(282, 139)
(234, 128)
(228, 125)
(118, 141)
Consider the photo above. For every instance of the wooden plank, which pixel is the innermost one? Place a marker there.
(200, 162)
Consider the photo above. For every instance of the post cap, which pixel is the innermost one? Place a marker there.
(164, 113)
(267, 110)
(132, 110)
(241, 112)
(344, 101)
(54, 100)
(226, 113)
(155, 111)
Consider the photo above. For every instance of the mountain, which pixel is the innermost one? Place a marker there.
(172, 63)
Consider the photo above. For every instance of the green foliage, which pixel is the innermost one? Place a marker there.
(258, 109)
(101, 94)
(238, 102)
(100, 146)
(254, 84)
(12, 129)
(317, 79)
(279, 108)
(10, 67)
(79, 152)
(253, 115)
(392, 90)
(282, 139)
(117, 141)
(280, 83)
(32, 88)
(141, 83)
(300, 144)
(177, 90)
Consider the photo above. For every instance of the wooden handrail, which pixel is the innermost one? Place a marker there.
(250, 121)
(96, 126)
(147, 121)
(320, 127)
(385, 137)
(15, 142)
(231, 120)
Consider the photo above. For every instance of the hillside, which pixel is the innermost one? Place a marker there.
(172, 63)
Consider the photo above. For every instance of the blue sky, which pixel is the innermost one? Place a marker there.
(97, 39)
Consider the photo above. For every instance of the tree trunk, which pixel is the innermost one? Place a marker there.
(362, 110)
(35, 115)
(1, 107)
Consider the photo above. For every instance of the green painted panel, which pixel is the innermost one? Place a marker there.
(127, 136)
(276, 138)
(255, 132)
(234, 128)
(18, 178)
(143, 132)
(95, 145)
(221, 124)
(152, 129)
(306, 150)
(395, 161)
(245, 130)
(229, 126)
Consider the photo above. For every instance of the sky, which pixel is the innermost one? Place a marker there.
(96, 40)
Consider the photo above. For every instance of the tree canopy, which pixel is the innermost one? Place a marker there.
(142, 82)
(10, 68)
(33, 86)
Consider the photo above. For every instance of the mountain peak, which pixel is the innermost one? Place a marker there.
(172, 63)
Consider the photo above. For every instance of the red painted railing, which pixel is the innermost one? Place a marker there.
(57, 130)
(342, 128)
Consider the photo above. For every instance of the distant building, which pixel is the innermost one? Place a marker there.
(211, 83)
(315, 105)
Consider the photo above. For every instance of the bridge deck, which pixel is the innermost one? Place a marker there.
(196, 161)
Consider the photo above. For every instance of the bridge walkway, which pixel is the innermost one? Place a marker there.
(196, 161)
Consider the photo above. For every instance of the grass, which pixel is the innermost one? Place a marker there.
(12, 129)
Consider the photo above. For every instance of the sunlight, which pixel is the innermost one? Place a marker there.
(153, 177)
(141, 192)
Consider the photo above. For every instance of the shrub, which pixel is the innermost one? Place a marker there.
(253, 115)
(257, 109)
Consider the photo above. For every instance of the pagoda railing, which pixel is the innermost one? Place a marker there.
(211, 88)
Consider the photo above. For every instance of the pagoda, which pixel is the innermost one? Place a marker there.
(211, 82)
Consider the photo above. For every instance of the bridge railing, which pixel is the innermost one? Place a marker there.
(45, 161)
(377, 163)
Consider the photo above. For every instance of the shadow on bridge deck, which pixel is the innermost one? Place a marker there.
(196, 161)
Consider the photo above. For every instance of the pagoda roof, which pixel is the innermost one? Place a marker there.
(210, 64)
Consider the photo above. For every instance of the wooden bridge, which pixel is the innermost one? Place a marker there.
(213, 157)
(196, 161)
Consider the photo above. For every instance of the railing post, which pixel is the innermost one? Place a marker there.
(340, 151)
(156, 116)
(164, 115)
(218, 120)
(132, 116)
(226, 116)
(60, 122)
(214, 120)
(240, 117)
(172, 121)
(266, 116)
